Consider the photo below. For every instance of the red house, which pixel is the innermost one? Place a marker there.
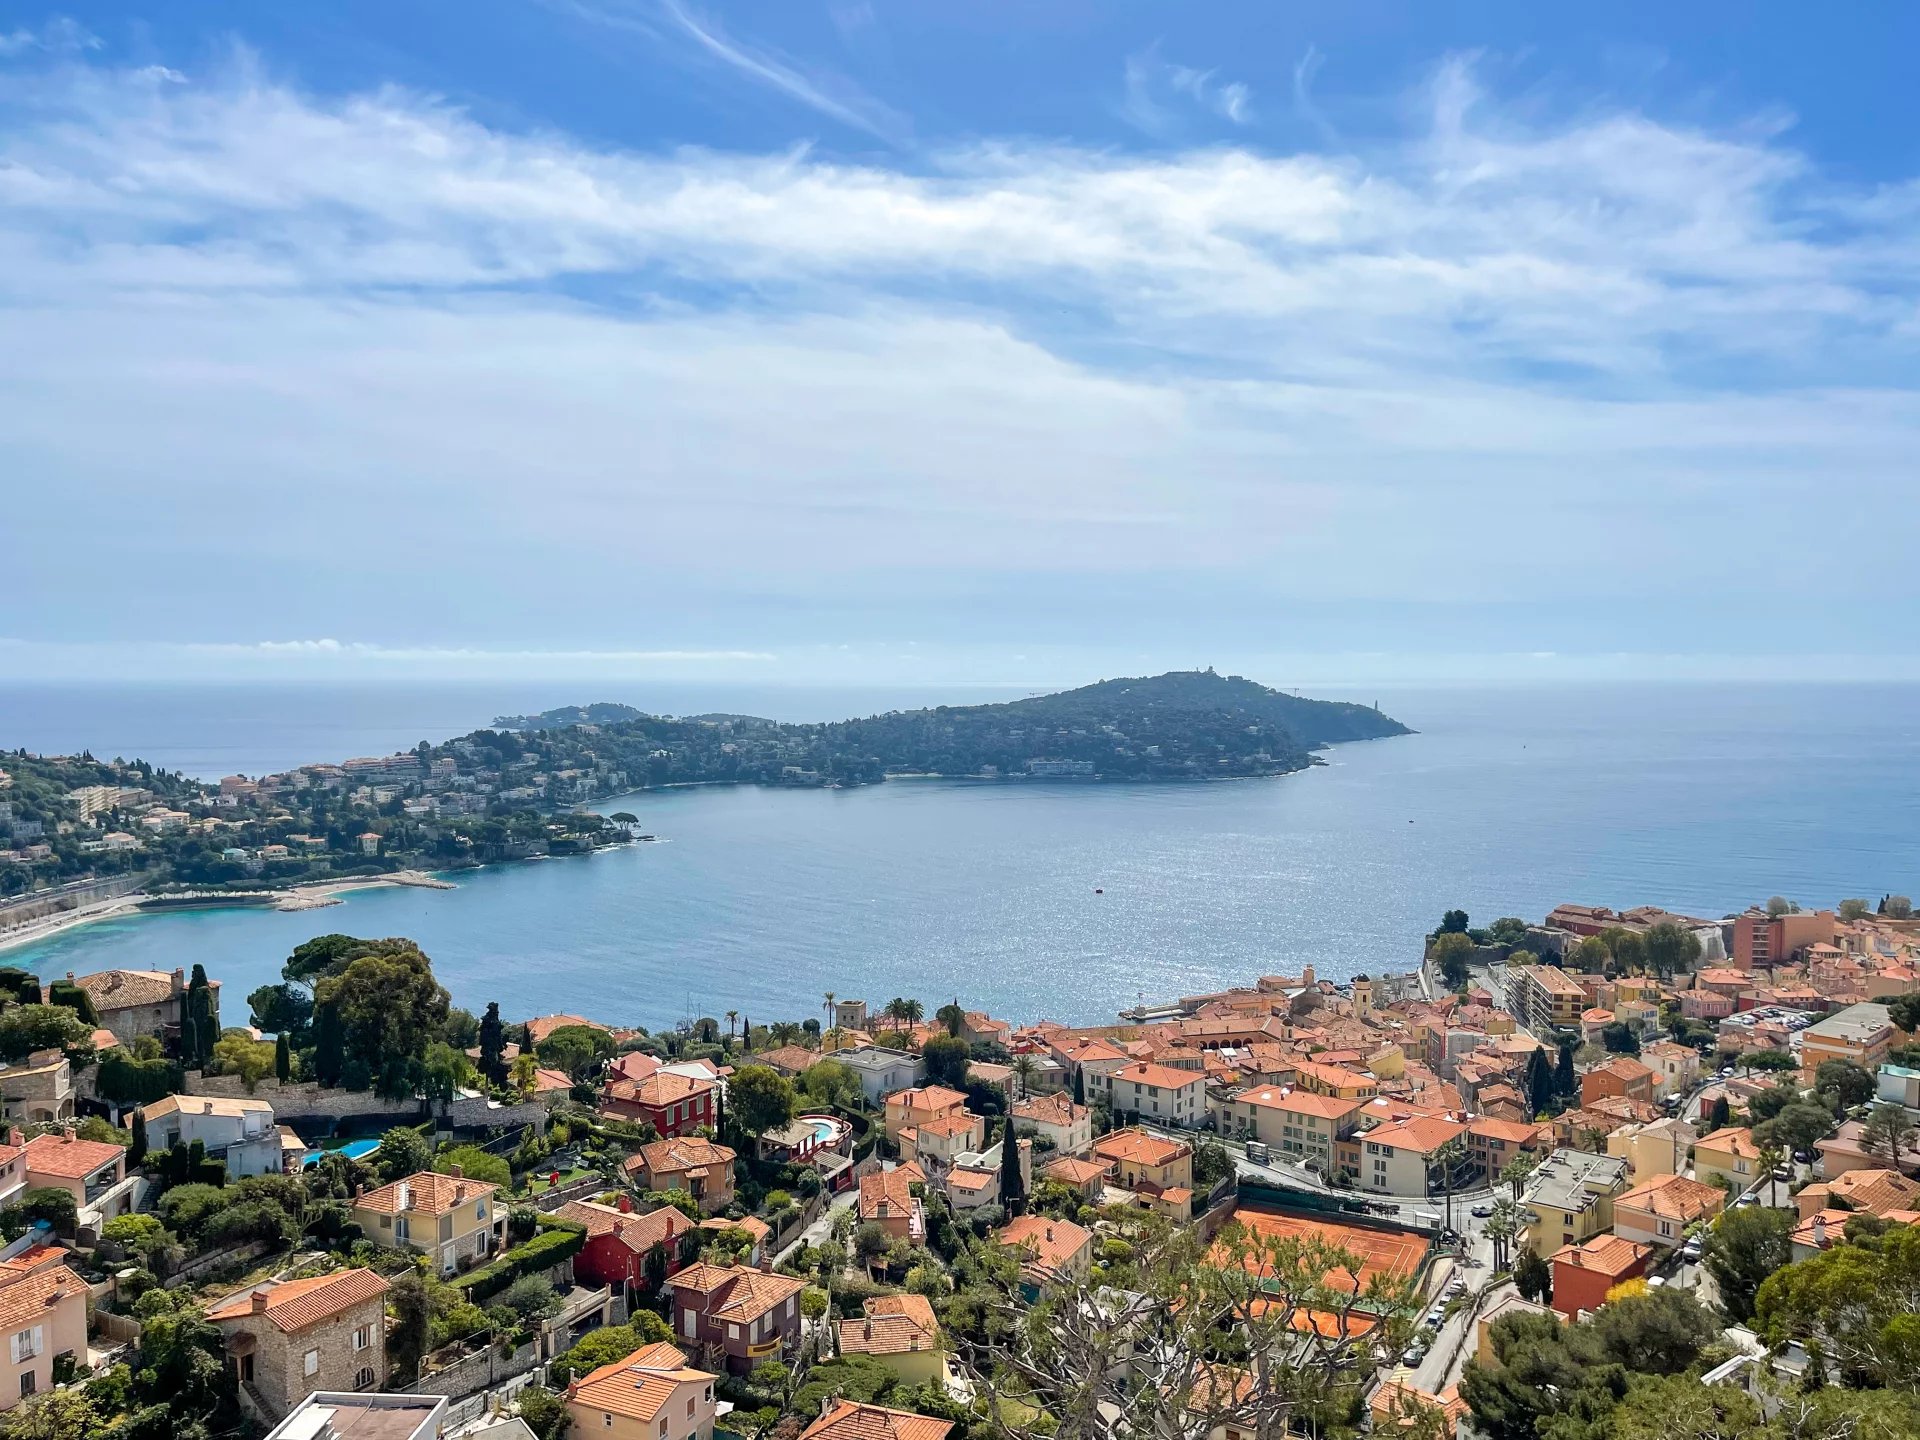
(1583, 1274)
(672, 1104)
(618, 1241)
(747, 1315)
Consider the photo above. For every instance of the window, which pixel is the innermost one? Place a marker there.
(689, 1407)
(663, 1424)
(364, 1379)
(27, 1383)
(28, 1343)
(687, 1324)
(312, 1362)
(363, 1337)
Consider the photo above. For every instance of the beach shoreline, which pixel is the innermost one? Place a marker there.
(297, 897)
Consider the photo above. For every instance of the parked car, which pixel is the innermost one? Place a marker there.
(1481, 1212)
(1257, 1152)
(1415, 1354)
(1805, 1157)
(1691, 1251)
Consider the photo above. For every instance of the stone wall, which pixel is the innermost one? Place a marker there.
(304, 1100)
(477, 1372)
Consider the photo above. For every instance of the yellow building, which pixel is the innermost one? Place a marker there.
(450, 1219)
(651, 1394)
(1731, 1154)
(1569, 1199)
(1659, 1147)
(901, 1333)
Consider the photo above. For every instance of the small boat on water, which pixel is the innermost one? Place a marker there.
(646, 837)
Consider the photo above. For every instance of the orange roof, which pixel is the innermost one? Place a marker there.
(1607, 1255)
(739, 1293)
(885, 1186)
(1072, 1170)
(1421, 1134)
(541, 1026)
(1140, 1147)
(850, 1420)
(1049, 1110)
(752, 1224)
(1735, 1140)
(1513, 1132)
(35, 1292)
(1145, 1072)
(937, 1099)
(893, 1325)
(1875, 1191)
(69, 1158)
(1050, 1245)
(1298, 1102)
(663, 1087)
(295, 1304)
(789, 1057)
(639, 1386)
(954, 1122)
(680, 1154)
(1626, 1067)
(1673, 1197)
(426, 1194)
(639, 1233)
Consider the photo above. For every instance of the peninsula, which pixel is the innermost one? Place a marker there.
(84, 831)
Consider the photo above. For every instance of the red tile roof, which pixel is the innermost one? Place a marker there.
(69, 1158)
(295, 1304)
(850, 1420)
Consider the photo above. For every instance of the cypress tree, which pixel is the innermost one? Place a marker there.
(1079, 1086)
(329, 1046)
(1013, 1190)
(1565, 1082)
(282, 1058)
(493, 1045)
(137, 1151)
(203, 1011)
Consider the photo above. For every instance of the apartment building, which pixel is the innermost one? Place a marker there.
(1161, 1094)
(1298, 1124)
(1569, 1199)
(1546, 996)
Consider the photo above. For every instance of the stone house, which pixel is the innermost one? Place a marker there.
(286, 1341)
(132, 1003)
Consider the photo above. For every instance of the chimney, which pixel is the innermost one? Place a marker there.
(69, 977)
(257, 1302)
(826, 1406)
(625, 1202)
(1820, 1232)
(454, 1172)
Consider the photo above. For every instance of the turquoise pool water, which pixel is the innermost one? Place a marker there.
(353, 1150)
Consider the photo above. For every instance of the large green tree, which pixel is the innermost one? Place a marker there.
(390, 1008)
(1747, 1244)
(760, 1098)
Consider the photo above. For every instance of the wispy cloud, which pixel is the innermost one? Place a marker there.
(1157, 90)
(61, 35)
(1015, 383)
(702, 36)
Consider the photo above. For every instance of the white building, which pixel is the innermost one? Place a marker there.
(1160, 1093)
(240, 1132)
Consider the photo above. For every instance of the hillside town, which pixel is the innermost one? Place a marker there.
(1631, 1171)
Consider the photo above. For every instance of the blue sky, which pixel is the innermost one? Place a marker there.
(989, 342)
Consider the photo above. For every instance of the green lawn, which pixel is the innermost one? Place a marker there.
(535, 1181)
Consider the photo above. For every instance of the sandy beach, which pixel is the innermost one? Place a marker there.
(299, 897)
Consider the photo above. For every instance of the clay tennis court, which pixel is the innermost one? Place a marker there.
(1380, 1252)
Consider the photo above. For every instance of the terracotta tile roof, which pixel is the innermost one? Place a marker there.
(1145, 1072)
(426, 1194)
(1298, 1102)
(850, 1420)
(122, 989)
(639, 1386)
(203, 1105)
(893, 1325)
(960, 1122)
(36, 1292)
(1085, 1050)
(295, 1304)
(1049, 1110)
(936, 1099)
(1421, 1134)
(681, 1154)
(1735, 1140)
(658, 1089)
(792, 1058)
(541, 1026)
(1605, 1254)
(1139, 1147)
(971, 1180)
(885, 1186)
(1875, 1191)
(737, 1293)
(1050, 1245)
(1072, 1170)
(1514, 1132)
(639, 1233)
(70, 1158)
(752, 1224)
(1673, 1197)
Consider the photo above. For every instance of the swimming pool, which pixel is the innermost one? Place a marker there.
(830, 1129)
(353, 1150)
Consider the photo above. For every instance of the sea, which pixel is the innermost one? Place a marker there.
(1059, 901)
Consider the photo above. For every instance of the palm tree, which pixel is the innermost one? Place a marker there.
(1449, 1155)
(783, 1032)
(912, 1011)
(1770, 1156)
(1502, 1226)
(1517, 1170)
(732, 1015)
(830, 1012)
(1025, 1067)
(896, 1011)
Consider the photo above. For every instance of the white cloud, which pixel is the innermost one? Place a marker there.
(1607, 359)
(61, 35)
(1154, 85)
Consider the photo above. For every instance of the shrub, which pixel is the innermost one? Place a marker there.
(475, 1164)
(557, 1241)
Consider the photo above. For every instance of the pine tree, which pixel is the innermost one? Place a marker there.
(282, 1058)
(1013, 1190)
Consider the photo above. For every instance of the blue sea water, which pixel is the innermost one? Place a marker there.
(1072, 901)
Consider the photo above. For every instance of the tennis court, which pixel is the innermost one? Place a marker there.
(1394, 1253)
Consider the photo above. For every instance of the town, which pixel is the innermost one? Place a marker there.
(1630, 1170)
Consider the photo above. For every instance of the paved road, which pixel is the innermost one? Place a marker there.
(820, 1229)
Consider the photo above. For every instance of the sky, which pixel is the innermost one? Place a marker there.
(845, 340)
